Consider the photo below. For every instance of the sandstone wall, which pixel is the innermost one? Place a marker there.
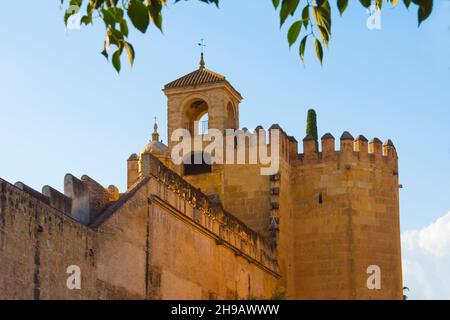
(156, 242)
(37, 244)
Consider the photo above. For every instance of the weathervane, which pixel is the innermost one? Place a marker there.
(202, 45)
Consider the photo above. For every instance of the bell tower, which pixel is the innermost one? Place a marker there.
(201, 100)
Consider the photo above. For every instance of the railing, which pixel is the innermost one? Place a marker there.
(203, 127)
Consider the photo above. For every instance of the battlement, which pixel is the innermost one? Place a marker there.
(351, 149)
(251, 140)
(83, 200)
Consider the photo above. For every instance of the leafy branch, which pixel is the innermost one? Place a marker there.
(314, 20)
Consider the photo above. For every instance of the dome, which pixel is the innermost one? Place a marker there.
(155, 147)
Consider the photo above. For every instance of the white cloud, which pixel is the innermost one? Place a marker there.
(426, 260)
(433, 239)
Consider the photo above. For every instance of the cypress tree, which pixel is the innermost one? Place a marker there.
(311, 126)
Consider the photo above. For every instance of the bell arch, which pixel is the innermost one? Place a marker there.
(195, 115)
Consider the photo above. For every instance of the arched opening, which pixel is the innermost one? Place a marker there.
(197, 163)
(231, 117)
(196, 117)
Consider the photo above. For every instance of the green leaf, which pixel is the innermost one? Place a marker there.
(302, 47)
(105, 54)
(284, 12)
(324, 34)
(305, 16)
(288, 7)
(116, 60)
(425, 10)
(294, 32)
(77, 3)
(342, 6)
(86, 19)
(138, 14)
(130, 52)
(108, 17)
(98, 3)
(114, 36)
(366, 3)
(154, 10)
(276, 3)
(319, 50)
(293, 6)
(124, 27)
(379, 4)
(117, 13)
(322, 16)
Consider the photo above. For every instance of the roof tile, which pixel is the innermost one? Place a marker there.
(199, 76)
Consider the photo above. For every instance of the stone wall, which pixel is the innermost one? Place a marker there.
(37, 244)
(162, 239)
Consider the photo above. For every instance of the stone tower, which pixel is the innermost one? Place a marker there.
(198, 93)
(332, 214)
(344, 220)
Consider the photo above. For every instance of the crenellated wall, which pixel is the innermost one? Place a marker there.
(345, 218)
(163, 239)
(331, 214)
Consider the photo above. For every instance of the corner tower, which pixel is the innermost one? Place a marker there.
(199, 93)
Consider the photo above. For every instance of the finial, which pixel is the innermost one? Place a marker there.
(202, 62)
(202, 58)
(155, 135)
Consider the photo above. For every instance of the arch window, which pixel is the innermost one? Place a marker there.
(196, 117)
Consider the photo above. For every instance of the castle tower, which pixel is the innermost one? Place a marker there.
(200, 94)
(345, 224)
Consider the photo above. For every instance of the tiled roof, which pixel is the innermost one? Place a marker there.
(199, 76)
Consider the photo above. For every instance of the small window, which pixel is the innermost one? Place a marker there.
(320, 198)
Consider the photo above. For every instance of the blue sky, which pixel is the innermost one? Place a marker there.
(64, 109)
